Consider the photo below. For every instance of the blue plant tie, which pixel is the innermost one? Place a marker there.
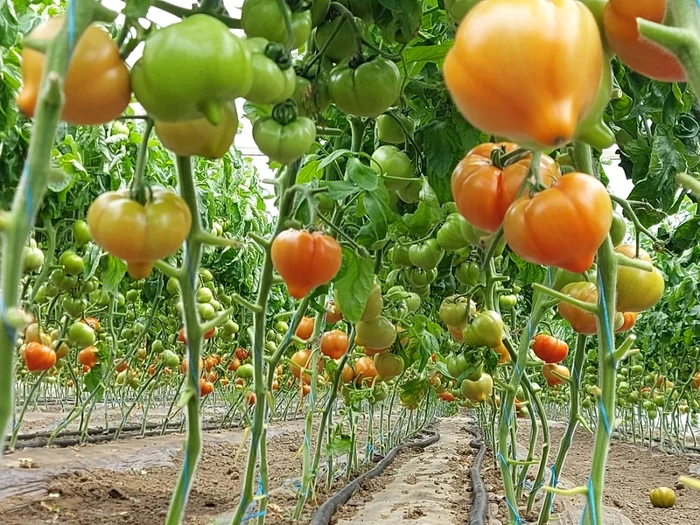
(10, 329)
(591, 501)
(585, 507)
(513, 508)
(71, 27)
(553, 484)
(604, 416)
(249, 517)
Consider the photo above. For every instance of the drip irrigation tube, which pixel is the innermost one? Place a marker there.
(477, 516)
(325, 512)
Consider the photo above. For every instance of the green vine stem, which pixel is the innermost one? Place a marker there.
(607, 282)
(188, 280)
(682, 39)
(288, 178)
(574, 418)
(546, 442)
(18, 222)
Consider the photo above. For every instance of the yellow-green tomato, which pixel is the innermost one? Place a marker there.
(662, 497)
(479, 390)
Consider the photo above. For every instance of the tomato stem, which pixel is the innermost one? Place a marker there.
(138, 184)
(587, 307)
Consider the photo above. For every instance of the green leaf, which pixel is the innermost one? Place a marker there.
(333, 157)
(113, 273)
(340, 444)
(93, 382)
(435, 54)
(441, 147)
(309, 171)
(353, 284)
(380, 215)
(8, 25)
(92, 260)
(59, 180)
(362, 175)
(340, 189)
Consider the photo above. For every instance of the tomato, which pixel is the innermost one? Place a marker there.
(426, 254)
(312, 98)
(231, 327)
(365, 372)
(454, 312)
(305, 329)
(562, 226)
(412, 301)
(456, 333)
(418, 277)
(80, 334)
(485, 330)
(265, 18)
(365, 89)
(73, 307)
(645, 57)
(348, 374)
(333, 313)
(302, 359)
(389, 129)
(582, 322)
(398, 254)
(97, 87)
(334, 344)
(468, 273)
(319, 10)
(630, 318)
(61, 350)
(549, 348)
(81, 233)
(662, 497)
(284, 138)
(479, 390)
(170, 358)
(447, 397)
(205, 387)
(388, 366)
(548, 371)
(198, 136)
(189, 69)
(377, 334)
(546, 93)
(592, 129)
(245, 371)
(483, 191)
(449, 236)
(305, 260)
(234, 364)
(242, 354)
(155, 229)
(92, 323)
(343, 44)
(88, 357)
(637, 290)
(72, 263)
(32, 259)
(507, 301)
(274, 79)
(395, 164)
(39, 357)
(503, 354)
(209, 363)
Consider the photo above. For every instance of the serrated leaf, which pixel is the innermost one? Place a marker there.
(435, 54)
(92, 260)
(340, 189)
(113, 273)
(309, 171)
(333, 157)
(137, 8)
(353, 284)
(340, 444)
(362, 175)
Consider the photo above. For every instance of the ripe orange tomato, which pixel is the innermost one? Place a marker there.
(333, 313)
(483, 192)
(250, 397)
(562, 226)
(548, 373)
(120, 363)
(92, 323)
(39, 357)
(630, 318)
(365, 371)
(151, 370)
(156, 228)
(334, 344)
(506, 79)
(503, 355)
(305, 260)
(88, 356)
(234, 364)
(209, 363)
(242, 353)
(550, 349)
(275, 385)
(696, 380)
(97, 85)
(305, 390)
(205, 387)
(305, 329)
(184, 365)
(302, 359)
(348, 374)
(446, 396)
(582, 322)
(645, 57)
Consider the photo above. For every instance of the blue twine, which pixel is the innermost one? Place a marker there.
(249, 517)
(591, 501)
(71, 28)
(606, 320)
(585, 507)
(604, 415)
(513, 508)
(553, 483)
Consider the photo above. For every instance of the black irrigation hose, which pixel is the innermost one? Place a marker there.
(325, 512)
(477, 516)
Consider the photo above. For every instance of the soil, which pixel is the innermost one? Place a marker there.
(631, 472)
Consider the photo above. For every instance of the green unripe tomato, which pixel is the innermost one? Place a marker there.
(662, 497)
(81, 335)
(32, 258)
(132, 295)
(388, 129)
(172, 287)
(73, 263)
(204, 295)
(216, 305)
(245, 371)
(138, 328)
(507, 301)
(157, 346)
(395, 164)
(270, 346)
(81, 233)
(206, 311)
(618, 229)
(121, 300)
(231, 327)
(170, 359)
(659, 401)
(206, 275)
(281, 327)
(74, 307)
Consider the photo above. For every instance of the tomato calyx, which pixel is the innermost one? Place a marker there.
(501, 159)
(285, 112)
(279, 54)
(297, 6)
